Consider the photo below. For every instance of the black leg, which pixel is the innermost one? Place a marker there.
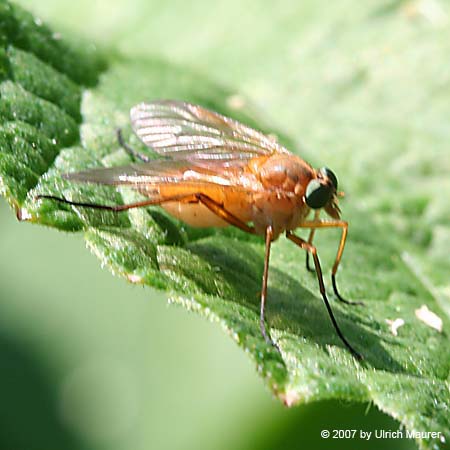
(340, 298)
(313, 225)
(310, 248)
(134, 154)
(308, 267)
(116, 208)
(205, 200)
(312, 231)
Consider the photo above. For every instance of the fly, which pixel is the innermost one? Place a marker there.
(217, 172)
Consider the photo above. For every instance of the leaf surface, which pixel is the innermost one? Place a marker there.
(60, 106)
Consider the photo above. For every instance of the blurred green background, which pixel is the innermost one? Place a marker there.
(90, 362)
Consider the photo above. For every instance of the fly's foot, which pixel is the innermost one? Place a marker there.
(340, 298)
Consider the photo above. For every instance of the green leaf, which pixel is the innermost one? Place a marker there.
(60, 106)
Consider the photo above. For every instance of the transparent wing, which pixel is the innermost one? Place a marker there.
(181, 130)
(141, 173)
(144, 175)
(201, 148)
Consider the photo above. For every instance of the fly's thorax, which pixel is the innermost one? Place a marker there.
(277, 209)
(281, 204)
(287, 173)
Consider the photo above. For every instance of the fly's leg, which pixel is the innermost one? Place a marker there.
(311, 249)
(310, 239)
(265, 278)
(214, 207)
(133, 153)
(211, 204)
(118, 208)
(336, 265)
(313, 225)
(220, 211)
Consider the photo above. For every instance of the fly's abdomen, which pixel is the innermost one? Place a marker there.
(285, 173)
(191, 211)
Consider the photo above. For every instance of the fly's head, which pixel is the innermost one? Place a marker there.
(321, 192)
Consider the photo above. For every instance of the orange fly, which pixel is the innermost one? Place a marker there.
(218, 172)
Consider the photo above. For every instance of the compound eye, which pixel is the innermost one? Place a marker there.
(326, 172)
(317, 194)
